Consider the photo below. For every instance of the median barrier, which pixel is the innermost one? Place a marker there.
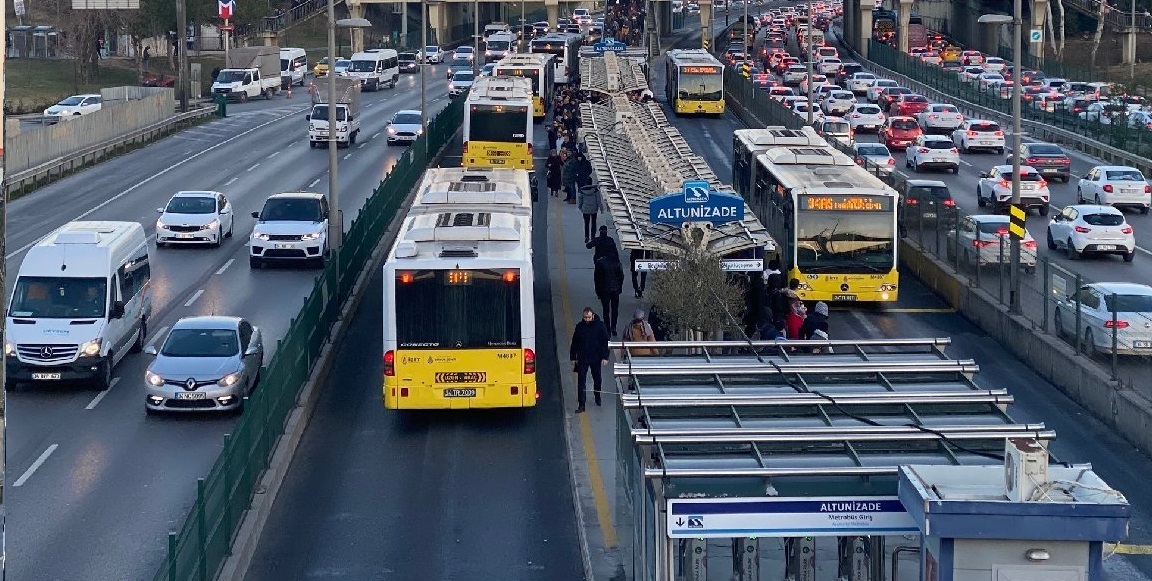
(237, 493)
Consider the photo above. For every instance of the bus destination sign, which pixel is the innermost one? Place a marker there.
(699, 70)
(847, 203)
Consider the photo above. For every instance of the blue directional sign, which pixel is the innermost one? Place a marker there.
(609, 45)
(696, 203)
(788, 517)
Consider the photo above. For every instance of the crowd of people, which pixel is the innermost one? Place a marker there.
(774, 310)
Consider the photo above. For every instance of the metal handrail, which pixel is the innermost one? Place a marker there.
(653, 435)
(923, 342)
(797, 435)
(996, 397)
(640, 369)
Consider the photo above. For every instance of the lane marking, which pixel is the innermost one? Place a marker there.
(361, 146)
(96, 400)
(156, 175)
(965, 163)
(254, 166)
(273, 154)
(314, 182)
(226, 265)
(375, 135)
(159, 333)
(35, 465)
(230, 182)
(347, 156)
(195, 296)
(599, 495)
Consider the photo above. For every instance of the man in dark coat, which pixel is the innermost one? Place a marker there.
(602, 245)
(588, 352)
(609, 280)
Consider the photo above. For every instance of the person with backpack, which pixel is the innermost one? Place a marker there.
(609, 281)
(639, 330)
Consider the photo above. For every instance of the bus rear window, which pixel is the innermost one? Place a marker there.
(458, 309)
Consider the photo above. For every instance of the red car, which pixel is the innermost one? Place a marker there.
(909, 105)
(899, 132)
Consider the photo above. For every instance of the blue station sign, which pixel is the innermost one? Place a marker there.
(696, 203)
(609, 45)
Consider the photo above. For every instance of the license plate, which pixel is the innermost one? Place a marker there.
(459, 393)
(45, 376)
(190, 395)
(869, 126)
(1050, 170)
(282, 246)
(929, 214)
(461, 377)
(1142, 344)
(184, 236)
(843, 297)
(1105, 247)
(498, 162)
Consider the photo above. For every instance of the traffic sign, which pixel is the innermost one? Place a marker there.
(1037, 35)
(226, 28)
(705, 44)
(225, 9)
(1016, 221)
(609, 45)
(697, 202)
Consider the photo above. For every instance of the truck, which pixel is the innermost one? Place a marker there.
(250, 72)
(347, 113)
(917, 32)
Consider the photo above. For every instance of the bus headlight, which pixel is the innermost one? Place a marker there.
(90, 348)
(887, 287)
(805, 286)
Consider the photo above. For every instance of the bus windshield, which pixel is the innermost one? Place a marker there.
(498, 123)
(699, 87)
(457, 309)
(496, 45)
(45, 297)
(850, 242)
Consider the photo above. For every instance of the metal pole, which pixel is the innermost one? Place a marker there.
(424, 75)
(807, 50)
(182, 56)
(335, 220)
(1132, 41)
(1014, 257)
(227, 43)
(476, 40)
(404, 24)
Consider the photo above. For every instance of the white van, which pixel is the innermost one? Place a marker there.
(81, 302)
(498, 46)
(375, 67)
(293, 66)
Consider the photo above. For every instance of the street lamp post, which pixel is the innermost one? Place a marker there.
(336, 223)
(808, 59)
(1132, 39)
(476, 39)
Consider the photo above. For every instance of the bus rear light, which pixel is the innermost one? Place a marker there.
(406, 277)
(529, 362)
(464, 150)
(1116, 324)
(403, 392)
(390, 364)
(510, 276)
(514, 390)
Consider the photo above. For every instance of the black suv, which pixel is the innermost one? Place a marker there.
(926, 203)
(1048, 159)
(408, 62)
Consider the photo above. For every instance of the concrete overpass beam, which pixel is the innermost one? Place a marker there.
(706, 35)
(864, 27)
(1039, 18)
(989, 40)
(553, 8)
(903, 14)
(438, 22)
(1129, 40)
(355, 10)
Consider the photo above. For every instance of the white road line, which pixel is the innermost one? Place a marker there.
(273, 154)
(361, 146)
(347, 156)
(375, 135)
(159, 334)
(35, 465)
(156, 175)
(226, 265)
(314, 182)
(195, 296)
(230, 182)
(254, 166)
(965, 163)
(96, 400)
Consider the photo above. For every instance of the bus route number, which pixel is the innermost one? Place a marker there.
(505, 355)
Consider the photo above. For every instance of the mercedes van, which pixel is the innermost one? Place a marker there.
(81, 302)
(375, 68)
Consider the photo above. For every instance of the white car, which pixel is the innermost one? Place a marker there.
(778, 92)
(1101, 303)
(194, 218)
(877, 86)
(73, 106)
(434, 54)
(995, 64)
(995, 189)
(988, 80)
(866, 117)
(405, 127)
(817, 81)
(983, 239)
(1086, 228)
(933, 152)
(971, 74)
(1115, 185)
(829, 65)
(801, 108)
(874, 156)
(292, 226)
(979, 134)
(834, 128)
(461, 81)
(794, 74)
(940, 117)
(464, 52)
(858, 83)
(839, 102)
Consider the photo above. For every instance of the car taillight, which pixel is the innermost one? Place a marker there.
(1005, 183)
(971, 134)
(922, 150)
(982, 243)
(953, 150)
(390, 364)
(1083, 229)
(1029, 244)
(949, 203)
(1108, 188)
(891, 161)
(1116, 324)
(1147, 189)
(1032, 160)
(1126, 230)
(855, 115)
(529, 362)
(859, 161)
(913, 202)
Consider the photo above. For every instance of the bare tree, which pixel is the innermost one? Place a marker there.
(695, 294)
(1100, 11)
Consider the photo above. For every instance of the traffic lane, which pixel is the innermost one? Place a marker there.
(489, 491)
(1080, 436)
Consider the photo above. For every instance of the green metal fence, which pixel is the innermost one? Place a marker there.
(1116, 133)
(199, 548)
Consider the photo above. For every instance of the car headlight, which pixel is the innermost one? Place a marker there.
(451, 87)
(311, 236)
(260, 236)
(229, 380)
(153, 379)
(391, 129)
(211, 225)
(91, 348)
(9, 348)
(160, 224)
(420, 131)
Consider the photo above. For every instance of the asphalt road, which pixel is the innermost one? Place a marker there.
(374, 494)
(1080, 437)
(94, 484)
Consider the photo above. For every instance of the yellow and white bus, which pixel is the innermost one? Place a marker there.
(459, 316)
(834, 222)
(565, 47)
(536, 68)
(498, 123)
(694, 82)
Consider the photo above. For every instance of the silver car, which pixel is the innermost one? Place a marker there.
(405, 127)
(1106, 307)
(982, 239)
(204, 364)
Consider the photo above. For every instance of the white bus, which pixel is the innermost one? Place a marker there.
(565, 47)
(375, 67)
(460, 326)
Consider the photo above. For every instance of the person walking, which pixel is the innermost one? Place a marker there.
(145, 56)
(639, 277)
(568, 176)
(589, 204)
(602, 245)
(639, 330)
(555, 168)
(588, 351)
(608, 277)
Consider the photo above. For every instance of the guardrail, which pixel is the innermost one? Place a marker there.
(34, 177)
(199, 548)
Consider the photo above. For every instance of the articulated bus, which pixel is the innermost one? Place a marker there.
(694, 82)
(498, 123)
(835, 222)
(459, 315)
(565, 47)
(537, 68)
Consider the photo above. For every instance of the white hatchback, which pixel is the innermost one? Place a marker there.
(858, 83)
(878, 86)
(866, 117)
(839, 102)
(1115, 185)
(940, 117)
(995, 189)
(933, 152)
(979, 134)
(1089, 229)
